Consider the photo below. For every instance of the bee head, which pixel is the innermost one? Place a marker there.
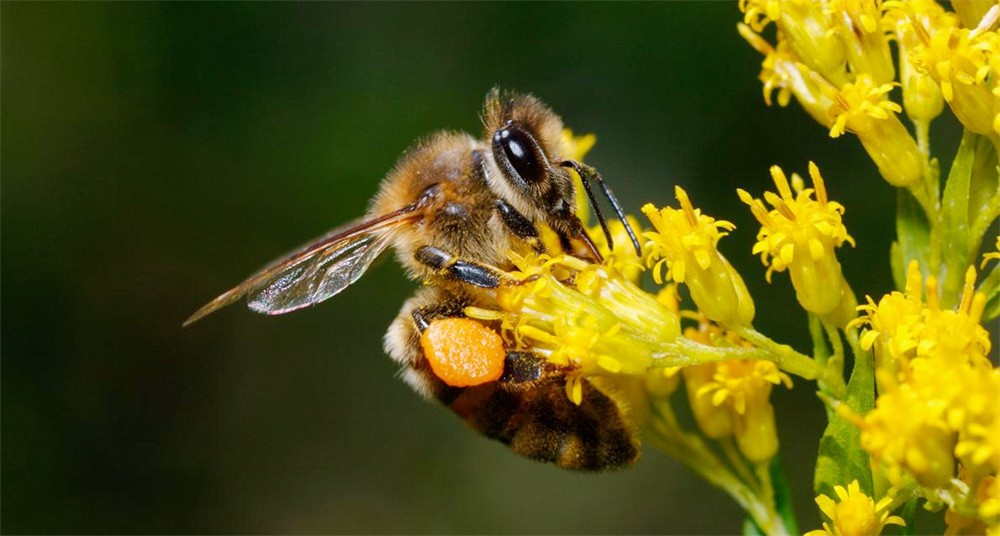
(525, 138)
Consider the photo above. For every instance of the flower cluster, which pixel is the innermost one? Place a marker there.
(732, 398)
(834, 57)
(937, 409)
(920, 416)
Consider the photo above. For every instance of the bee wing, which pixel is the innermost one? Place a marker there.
(316, 271)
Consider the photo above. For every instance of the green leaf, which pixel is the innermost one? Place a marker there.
(841, 459)
(909, 514)
(913, 232)
(954, 235)
(783, 496)
(984, 191)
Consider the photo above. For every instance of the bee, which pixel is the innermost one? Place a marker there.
(452, 209)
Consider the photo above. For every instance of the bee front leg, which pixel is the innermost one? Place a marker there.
(520, 225)
(469, 272)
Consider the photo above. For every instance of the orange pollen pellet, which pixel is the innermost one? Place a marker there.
(462, 352)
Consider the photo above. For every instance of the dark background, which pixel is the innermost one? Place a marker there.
(154, 154)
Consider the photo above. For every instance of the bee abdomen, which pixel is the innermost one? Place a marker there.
(541, 423)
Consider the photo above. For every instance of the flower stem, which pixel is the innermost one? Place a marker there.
(793, 362)
(665, 434)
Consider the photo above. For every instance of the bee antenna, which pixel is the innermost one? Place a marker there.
(588, 174)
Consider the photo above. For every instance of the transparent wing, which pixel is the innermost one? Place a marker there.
(316, 271)
(320, 278)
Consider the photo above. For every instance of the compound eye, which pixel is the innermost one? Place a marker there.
(519, 148)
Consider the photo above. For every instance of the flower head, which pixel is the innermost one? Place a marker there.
(732, 398)
(965, 63)
(864, 108)
(858, 23)
(684, 242)
(807, 27)
(937, 388)
(584, 318)
(921, 94)
(854, 513)
(800, 234)
(782, 70)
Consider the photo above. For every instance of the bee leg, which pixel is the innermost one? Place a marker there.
(423, 316)
(520, 225)
(466, 271)
(521, 367)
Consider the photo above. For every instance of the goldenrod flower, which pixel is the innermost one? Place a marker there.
(971, 12)
(733, 397)
(576, 147)
(938, 391)
(853, 513)
(922, 98)
(902, 327)
(863, 108)
(989, 500)
(783, 71)
(799, 235)
(907, 433)
(965, 64)
(685, 243)
(623, 255)
(583, 317)
(858, 23)
(806, 25)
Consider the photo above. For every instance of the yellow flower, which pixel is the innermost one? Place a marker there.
(854, 513)
(970, 12)
(858, 23)
(806, 25)
(783, 71)
(623, 255)
(799, 235)
(902, 327)
(938, 391)
(585, 318)
(906, 432)
(921, 95)
(863, 108)
(576, 147)
(965, 64)
(733, 397)
(685, 243)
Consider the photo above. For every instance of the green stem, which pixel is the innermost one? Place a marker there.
(665, 435)
(767, 491)
(837, 359)
(821, 352)
(793, 362)
(737, 461)
(923, 137)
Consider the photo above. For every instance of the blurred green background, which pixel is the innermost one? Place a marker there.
(153, 154)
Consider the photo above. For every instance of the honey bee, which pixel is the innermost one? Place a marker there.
(451, 209)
